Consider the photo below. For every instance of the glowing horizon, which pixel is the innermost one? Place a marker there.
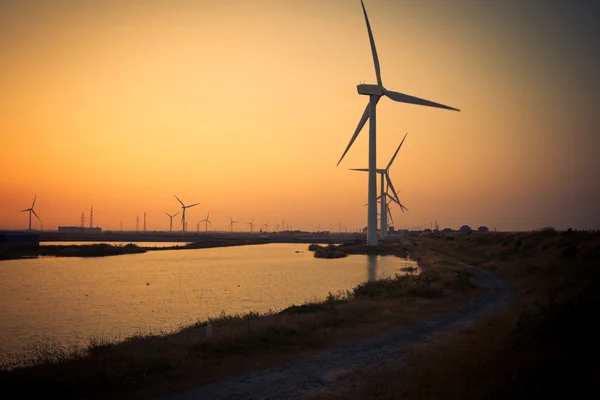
(246, 108)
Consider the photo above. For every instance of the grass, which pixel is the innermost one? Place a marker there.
(146, 366)
(542, 345)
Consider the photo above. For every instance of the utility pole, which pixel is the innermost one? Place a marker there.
(144, 221)
(137, 223)
(91, 216)
(82, 219)
(121, 225)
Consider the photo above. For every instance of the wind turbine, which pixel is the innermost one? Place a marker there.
(266, 226)
(207, 221)
(375, 92)
(251, 223)
(385, 173)
(31, 210)
(183, 215)
(171, 220)
(231, 223)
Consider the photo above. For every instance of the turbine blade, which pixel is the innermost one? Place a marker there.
(36, 215)
(179, 201)
(177, 213)
(405, 98)
(360, 169)
(195, 204)
(391, 186)
(390, 214)
(34, 197)
(168, 214)
(361, 123)
(373, 49)
(27, 209)
(396, 153)
(209, 222)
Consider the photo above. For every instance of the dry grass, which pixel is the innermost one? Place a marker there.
(543, 345)
(146, 366)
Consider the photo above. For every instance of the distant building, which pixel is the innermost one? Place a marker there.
(78, 230)
(427, 230)
(447, 230)
(465, 228)
(483, 229)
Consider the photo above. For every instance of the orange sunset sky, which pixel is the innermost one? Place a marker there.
(246, 107)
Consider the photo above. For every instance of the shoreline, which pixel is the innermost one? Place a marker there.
(242, 342)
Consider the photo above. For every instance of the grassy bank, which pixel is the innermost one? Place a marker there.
(105, 249)
(343, 250)
(141, 367)
(544, 344)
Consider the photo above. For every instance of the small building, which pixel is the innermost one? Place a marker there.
(465, 228)
(447, 230)
(483, 229)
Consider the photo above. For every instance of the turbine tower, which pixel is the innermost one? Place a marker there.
(375, 92)
(32, 211)
(385, 173)
(207, 221)
(183, 207)
(171, 220)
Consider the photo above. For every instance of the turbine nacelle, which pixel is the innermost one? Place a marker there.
(370, 90)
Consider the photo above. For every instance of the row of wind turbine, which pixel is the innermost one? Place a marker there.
(375, 92)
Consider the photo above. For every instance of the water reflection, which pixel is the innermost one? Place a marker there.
(114, 297)
(371, 267)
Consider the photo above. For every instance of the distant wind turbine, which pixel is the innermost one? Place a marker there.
(251, 223)
(207, 221)
(183, 207)
(385, 173)
(266, 225)
(375, 92)
(32, 211)
(231, 223)
(171, 220)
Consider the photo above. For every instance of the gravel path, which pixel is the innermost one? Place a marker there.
(297, 379)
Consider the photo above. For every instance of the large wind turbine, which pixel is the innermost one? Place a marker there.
(31, 210)
(207, 221)
(385, 173)
(375, 92)
(171, 220)
(183, 207)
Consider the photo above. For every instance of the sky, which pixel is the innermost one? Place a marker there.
(246, 107)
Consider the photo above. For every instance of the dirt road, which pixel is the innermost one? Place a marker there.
(301, 378)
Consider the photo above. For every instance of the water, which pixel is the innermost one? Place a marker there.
(73, 299)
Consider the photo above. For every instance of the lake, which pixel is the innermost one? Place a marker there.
(71, 300)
